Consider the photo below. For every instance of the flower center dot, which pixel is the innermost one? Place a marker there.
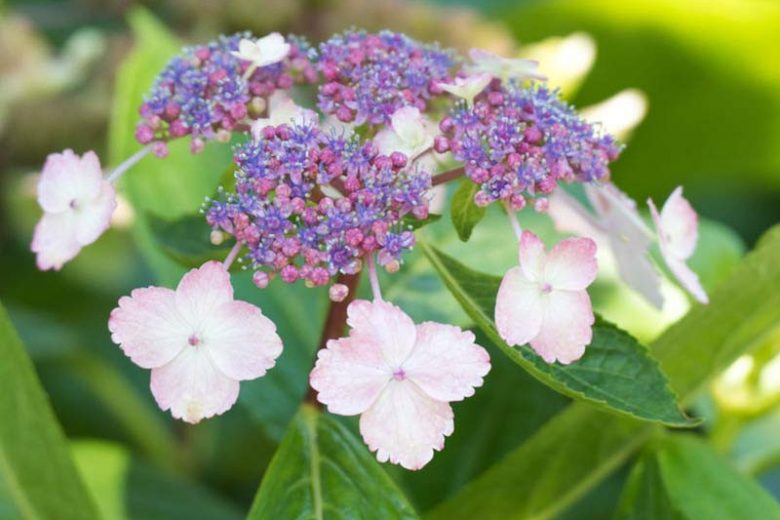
(74, 204)
(546, 288)
(399, 374)
(193, 340)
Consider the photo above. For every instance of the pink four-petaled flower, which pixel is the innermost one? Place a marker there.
(77, 205)
(400, 378)
(544, 301)
(198, 341)
(677, 227)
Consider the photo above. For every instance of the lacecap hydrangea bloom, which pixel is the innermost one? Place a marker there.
(400, 378)
(327, 192)
(197, 340)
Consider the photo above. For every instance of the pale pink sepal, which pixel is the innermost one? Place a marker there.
(198, 341)
(77, 204)
(544, 301)
(400, 377)
(677, 228)
(616, 226)
(267, 50)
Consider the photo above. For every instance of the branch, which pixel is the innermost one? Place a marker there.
(336, 322)
(447, 176)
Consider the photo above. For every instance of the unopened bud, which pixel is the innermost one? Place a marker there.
(338, 292)
(217, 237)
(260, 279)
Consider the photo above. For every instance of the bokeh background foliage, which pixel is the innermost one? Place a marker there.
(520, 449)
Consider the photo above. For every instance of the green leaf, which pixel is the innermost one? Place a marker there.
(681, 477)
(322, 471)
(689, 365)
(186, 240)
(616, 373)
(172, 187)
(564, 458)
(124, 487)
(412, 222)
(37, 476)
(743, 311)
(465, 214)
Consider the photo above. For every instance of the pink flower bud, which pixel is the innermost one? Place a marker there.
(338, 292)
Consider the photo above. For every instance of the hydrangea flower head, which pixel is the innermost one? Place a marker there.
(206, 93)
(198, 341)
(518, 143)
(310, 205)
(400, 377)
(544, 301)
(77, 204)
(677, 227)
(367, 77)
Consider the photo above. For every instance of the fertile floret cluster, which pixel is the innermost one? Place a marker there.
(311, 204)
(208, 90)
(518, 143)
(367, 77)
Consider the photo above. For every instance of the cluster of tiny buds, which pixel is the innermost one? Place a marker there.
(309, 204)
(367, 77)
(209, 92)
(518, 143)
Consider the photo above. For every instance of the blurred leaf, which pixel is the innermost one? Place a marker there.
(103, 467)
(125, 488)
(171, 187)
(644, 496)
(718, 252)
(504, 490)
(37, 475)
(321, 469)
(563, 459)
(144, 424)
(681, 477)
(742, 311)
(757, 446)
(186, 240)
(695, 62)
(465, 214)
(616, 373)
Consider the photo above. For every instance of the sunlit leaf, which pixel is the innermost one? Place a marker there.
(124, 487)
(681, 477)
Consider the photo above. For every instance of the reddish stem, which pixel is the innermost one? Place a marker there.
(336, 322)
(447, 176)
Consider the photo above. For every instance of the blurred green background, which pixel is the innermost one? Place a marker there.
(709, 72)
